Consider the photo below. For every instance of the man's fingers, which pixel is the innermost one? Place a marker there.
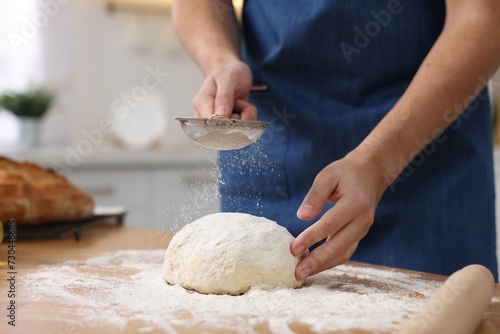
(203, 105)
(330, 223)
(224, 98)
(203, 102)
(221, 89)
(336, 250)
(245, 110)
(317, 197)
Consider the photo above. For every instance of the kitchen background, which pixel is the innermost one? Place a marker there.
(114, 62)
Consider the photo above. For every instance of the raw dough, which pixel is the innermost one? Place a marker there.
(228, 253)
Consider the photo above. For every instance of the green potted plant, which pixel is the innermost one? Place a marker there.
(29, 106)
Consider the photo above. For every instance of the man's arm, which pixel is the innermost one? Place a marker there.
(466, 53)
(209, 32)
(464, 57)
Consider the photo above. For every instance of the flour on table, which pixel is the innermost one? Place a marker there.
(230, 252)
(117, 288)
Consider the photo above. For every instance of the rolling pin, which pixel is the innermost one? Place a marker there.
(457, 306)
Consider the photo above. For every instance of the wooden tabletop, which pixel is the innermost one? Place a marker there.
(37, 317)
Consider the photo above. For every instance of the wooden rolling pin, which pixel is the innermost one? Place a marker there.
(457, 307)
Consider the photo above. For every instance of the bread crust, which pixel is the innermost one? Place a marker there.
(31, 194)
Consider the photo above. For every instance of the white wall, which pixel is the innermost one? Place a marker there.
(93, 56)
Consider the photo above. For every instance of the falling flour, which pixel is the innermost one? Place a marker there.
(114, 289)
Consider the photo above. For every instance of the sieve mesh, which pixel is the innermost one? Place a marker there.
(222, 133)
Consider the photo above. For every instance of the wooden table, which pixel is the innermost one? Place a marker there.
(104, 238)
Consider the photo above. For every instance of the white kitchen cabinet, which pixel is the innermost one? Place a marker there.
(182, 196)
(160, 198)
(128, 188)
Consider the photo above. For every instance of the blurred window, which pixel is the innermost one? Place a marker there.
(20, 52)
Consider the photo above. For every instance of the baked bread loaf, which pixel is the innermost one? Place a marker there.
(31, 194)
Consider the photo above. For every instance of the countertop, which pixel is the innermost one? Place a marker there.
(34, 316)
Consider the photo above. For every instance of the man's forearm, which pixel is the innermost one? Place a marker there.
(208, 30)
(464, 57)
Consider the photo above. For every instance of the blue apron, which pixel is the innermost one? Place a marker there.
(333, 70)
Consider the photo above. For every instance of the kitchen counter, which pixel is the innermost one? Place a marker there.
(35, 316)
(68, 159)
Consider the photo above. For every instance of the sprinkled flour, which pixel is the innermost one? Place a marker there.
(116, 288)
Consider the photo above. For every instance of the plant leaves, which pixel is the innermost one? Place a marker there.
(31, 103)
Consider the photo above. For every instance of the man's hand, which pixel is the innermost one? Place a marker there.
(225, 92)
(355, 187)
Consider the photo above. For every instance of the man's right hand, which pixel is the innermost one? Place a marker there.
(225, 92)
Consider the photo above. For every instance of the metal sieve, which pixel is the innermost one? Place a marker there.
(219, 132)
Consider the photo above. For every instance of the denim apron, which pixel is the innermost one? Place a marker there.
(333, 69)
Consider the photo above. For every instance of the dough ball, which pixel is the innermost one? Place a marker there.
(228, 253)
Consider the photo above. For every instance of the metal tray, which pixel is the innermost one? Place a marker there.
(63, 228)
